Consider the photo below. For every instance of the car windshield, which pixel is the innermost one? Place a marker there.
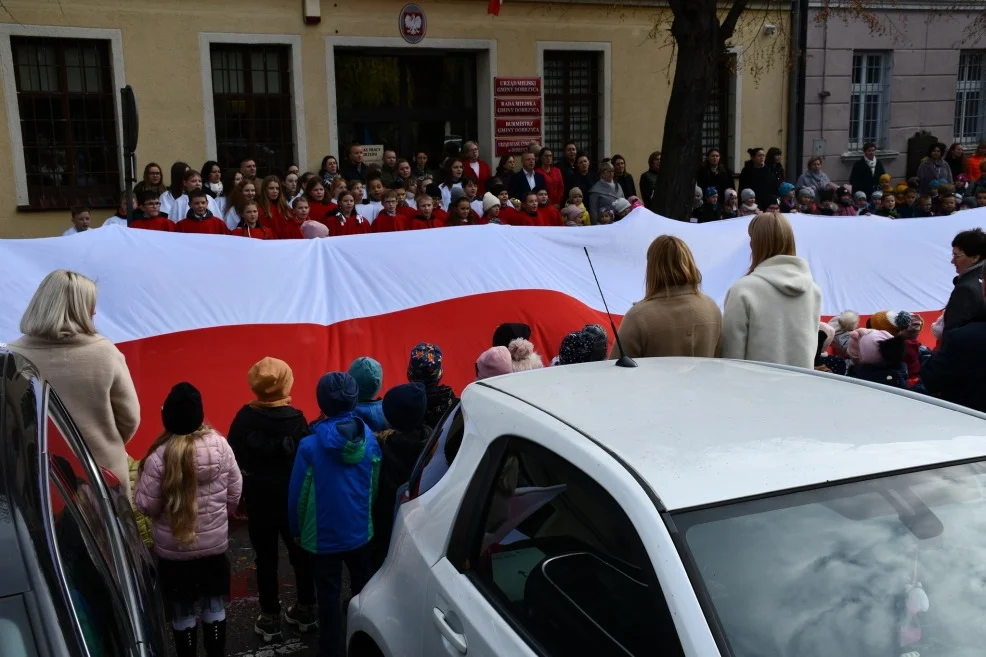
(876, 568)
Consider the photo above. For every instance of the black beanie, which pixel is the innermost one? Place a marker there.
(405, 406)
(507, 333)
(182, 412)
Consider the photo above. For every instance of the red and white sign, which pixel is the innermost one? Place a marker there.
(517, 86)
(517, 127)
(508, 146)
(412, 23)
(518, 106)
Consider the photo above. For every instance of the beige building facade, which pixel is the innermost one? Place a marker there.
(288, 81)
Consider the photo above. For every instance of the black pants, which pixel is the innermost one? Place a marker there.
(264, 528)
(328, 582)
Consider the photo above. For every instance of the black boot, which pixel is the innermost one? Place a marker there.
(214, 638)
(185, 642)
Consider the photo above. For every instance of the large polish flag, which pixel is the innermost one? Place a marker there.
(204, 308)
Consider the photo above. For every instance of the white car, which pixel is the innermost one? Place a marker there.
(688, 507)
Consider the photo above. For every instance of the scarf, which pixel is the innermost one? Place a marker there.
(217, 188)
(871, 164)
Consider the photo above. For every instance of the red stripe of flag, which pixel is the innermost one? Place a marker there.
(494, 7)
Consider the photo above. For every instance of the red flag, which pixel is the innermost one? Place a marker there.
(494, 7)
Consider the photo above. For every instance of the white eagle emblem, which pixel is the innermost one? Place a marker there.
(412, 23)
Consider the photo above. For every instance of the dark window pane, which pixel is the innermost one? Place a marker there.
(571, 100)
(250, 89)
(66, 103)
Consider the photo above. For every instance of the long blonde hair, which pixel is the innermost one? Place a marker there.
(770, 235)
(62, 305)
(179, 484)
(670, 264)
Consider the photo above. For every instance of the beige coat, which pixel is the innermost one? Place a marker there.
(680, 324)
(91, 378)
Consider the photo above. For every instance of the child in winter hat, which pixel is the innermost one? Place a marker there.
(788, 202)
(575, 199)
(576, 347)
(368, 375)
(748, 203)
(491, 208)
(425, 367)
(621, 208)
(844, 324)
(573, 215)
(861, 203)
(264, 437)
(823, 361)
(891, 322)
(806, 200)
(405, 407)
(523, 356)
(510, 331)
(730, 204)
(598, 341)
(495, 361)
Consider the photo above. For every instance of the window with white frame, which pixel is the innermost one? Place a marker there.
(970, 98)
(869, 104)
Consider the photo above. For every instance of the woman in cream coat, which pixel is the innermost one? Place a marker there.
(772, 313)
(89, 374)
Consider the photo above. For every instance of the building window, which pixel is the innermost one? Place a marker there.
(251, 92)
(65, 97)
(869, 105)
(970, 108)
(717, 124)
(571, 101)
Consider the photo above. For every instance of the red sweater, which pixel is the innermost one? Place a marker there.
(322, 212)
(419, 222)
(258, 232)
(521, 218)
(484, 175)
(550, 216)
(156, 223)
(209, 225)
(280, 226)
(555, 184)
(473, 220)
(352, 225)
(507, 215)
(386, 223)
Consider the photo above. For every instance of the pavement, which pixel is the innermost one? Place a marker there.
(243, 609)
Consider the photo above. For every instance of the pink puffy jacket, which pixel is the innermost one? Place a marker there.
(219, 487)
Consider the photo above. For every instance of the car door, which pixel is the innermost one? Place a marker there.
(543, 560)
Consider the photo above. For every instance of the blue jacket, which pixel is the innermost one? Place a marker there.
(333, 486)
(371, 412)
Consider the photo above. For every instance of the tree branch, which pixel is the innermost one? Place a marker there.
(729, 24)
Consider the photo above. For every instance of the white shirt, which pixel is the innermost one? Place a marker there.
(475, 167)
(530, 178)
(232, 218)
(115, 221)
(71, 231)
(477, 207)
(447, 194)
(371, 210)
(180, 208)
(167, 201)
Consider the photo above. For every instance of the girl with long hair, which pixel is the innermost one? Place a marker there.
(452, 179)
(320, 206)
(245, 191)
(231, 178)
(554, 181)
(275, 213)
(175, 189)
(188, 485)
(714, 173)
(461, 213)
(772, 313)
(347, 221)
(153, 180)
(622, 178)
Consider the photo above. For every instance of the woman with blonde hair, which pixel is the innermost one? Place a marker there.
(674, 318)
(189, 485)
(772, 313)
(89, 374)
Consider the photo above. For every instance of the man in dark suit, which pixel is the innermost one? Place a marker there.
(353, 167)
(525, 180)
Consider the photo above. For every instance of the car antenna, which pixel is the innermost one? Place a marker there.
(624, 360)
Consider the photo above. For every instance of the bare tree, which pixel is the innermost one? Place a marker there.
(701, 31)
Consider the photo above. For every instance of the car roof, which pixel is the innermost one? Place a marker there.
(704, 431)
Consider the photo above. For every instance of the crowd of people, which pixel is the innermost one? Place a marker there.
(946, 182)
(526, 189)
(357, 456)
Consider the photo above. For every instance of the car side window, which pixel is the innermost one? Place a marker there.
(561, 561)
(84, 555)
(438, 454)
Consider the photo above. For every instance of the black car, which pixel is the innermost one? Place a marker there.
(75, 577)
